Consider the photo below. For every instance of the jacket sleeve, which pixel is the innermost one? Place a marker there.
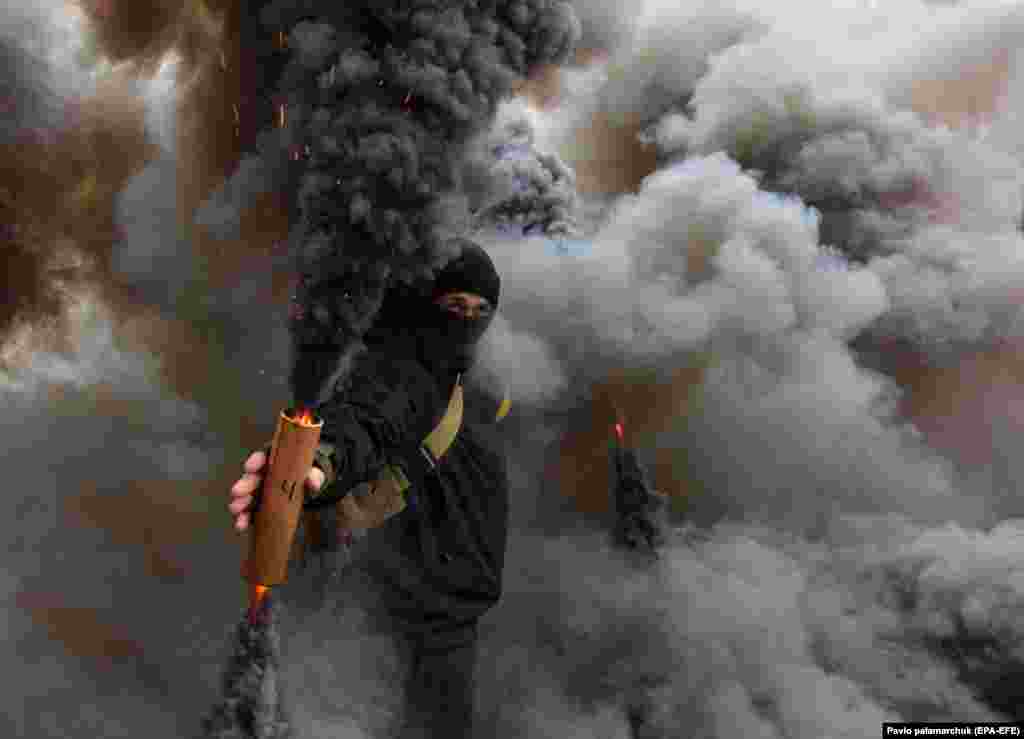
(387, 405)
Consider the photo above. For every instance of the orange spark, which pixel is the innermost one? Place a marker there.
(257, 594)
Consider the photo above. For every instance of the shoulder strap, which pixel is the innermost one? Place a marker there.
(443, 436)
(419, 461)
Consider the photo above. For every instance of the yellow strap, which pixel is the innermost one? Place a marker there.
(505, 407)
(438, 441)
(443, 436)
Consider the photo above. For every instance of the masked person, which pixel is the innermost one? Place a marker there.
(404, 431)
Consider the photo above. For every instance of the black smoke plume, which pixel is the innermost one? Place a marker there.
(638, 510)
(367, 125)
(252, 705)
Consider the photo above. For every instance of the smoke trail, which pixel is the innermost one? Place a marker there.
(374, 108)
(639, 525)
(252, 705)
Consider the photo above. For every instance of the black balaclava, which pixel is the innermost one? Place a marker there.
(443, 341)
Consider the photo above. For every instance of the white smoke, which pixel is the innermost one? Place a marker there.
(55, 33)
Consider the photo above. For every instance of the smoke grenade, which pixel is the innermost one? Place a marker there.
(251, 704)
(638, 510)
(274, 525)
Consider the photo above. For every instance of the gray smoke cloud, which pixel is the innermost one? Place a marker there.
(519, 189)
(831, 217)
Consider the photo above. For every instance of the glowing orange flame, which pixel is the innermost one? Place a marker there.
(620, 425)
(305, 417)
(257, 594)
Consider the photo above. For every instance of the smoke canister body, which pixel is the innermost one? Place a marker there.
(277, 518)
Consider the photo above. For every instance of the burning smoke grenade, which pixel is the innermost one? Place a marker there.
(291, 457)
(637, 526)
(250, 703)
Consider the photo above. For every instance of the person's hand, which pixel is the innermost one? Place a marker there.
(245, 492)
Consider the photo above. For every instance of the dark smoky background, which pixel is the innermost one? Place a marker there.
(785, 246)
(125, 335)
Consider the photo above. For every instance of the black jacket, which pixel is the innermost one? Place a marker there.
(441, 559)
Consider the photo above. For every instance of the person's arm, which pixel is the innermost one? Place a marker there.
(388, 406)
